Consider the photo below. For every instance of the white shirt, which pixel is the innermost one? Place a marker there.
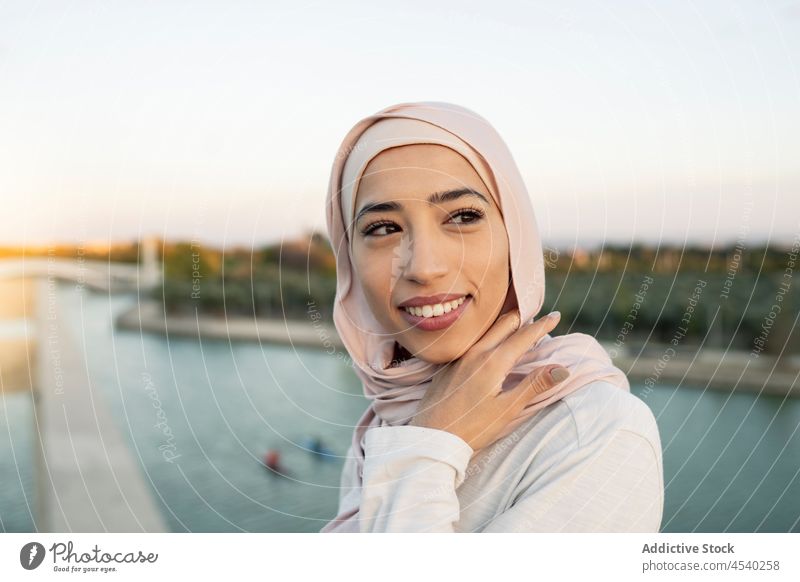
(590, 462)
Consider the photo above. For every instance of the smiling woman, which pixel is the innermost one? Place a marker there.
(479, 419)
(451, 244)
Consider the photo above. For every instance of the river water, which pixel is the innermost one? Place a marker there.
(199, 417)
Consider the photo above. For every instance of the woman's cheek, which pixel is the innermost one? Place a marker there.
(498, 260)
(378, 289)
(492, 275)
(485, 267)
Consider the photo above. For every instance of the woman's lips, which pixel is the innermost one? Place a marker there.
(438, 322)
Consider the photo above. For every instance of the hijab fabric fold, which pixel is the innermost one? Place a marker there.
(394, 391)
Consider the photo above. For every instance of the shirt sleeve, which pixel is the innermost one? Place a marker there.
(410, 477)
(616, 488)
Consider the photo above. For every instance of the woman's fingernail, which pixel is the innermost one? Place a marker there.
(559, 374)
(554, 314)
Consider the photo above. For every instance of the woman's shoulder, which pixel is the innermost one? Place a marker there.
(582, 425)
(600, 409)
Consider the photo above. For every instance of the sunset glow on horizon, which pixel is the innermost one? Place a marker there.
(630, 122)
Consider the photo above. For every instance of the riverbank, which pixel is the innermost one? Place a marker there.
(149, 316)
(712, 368)
(652, 365)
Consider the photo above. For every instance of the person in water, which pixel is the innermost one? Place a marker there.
(272, 460)
(479, 420)
(316, 446)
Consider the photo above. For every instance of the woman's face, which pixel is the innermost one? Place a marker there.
(409, 247)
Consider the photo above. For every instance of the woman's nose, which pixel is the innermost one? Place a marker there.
(421, 259)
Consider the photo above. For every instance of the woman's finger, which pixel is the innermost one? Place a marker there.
(504, 326)
(537, 382)
(512, 349)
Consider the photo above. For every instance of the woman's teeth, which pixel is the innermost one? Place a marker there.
(436, 309)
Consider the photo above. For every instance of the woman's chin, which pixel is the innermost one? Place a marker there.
(440, 355)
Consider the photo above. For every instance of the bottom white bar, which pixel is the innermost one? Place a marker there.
(388, 557)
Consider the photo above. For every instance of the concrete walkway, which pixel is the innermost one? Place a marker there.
(87, 478)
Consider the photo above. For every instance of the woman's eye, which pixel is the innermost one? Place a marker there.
(376, 226)
(472, 215)
(466, 215)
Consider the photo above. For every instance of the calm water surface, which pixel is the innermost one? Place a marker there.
(731, 461)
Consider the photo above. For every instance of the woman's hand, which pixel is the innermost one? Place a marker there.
(465, 397)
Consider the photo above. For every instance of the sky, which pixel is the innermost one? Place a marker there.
(662, 122)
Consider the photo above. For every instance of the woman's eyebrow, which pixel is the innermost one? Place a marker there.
(435, 198)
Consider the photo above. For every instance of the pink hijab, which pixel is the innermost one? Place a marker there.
(394, 392)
